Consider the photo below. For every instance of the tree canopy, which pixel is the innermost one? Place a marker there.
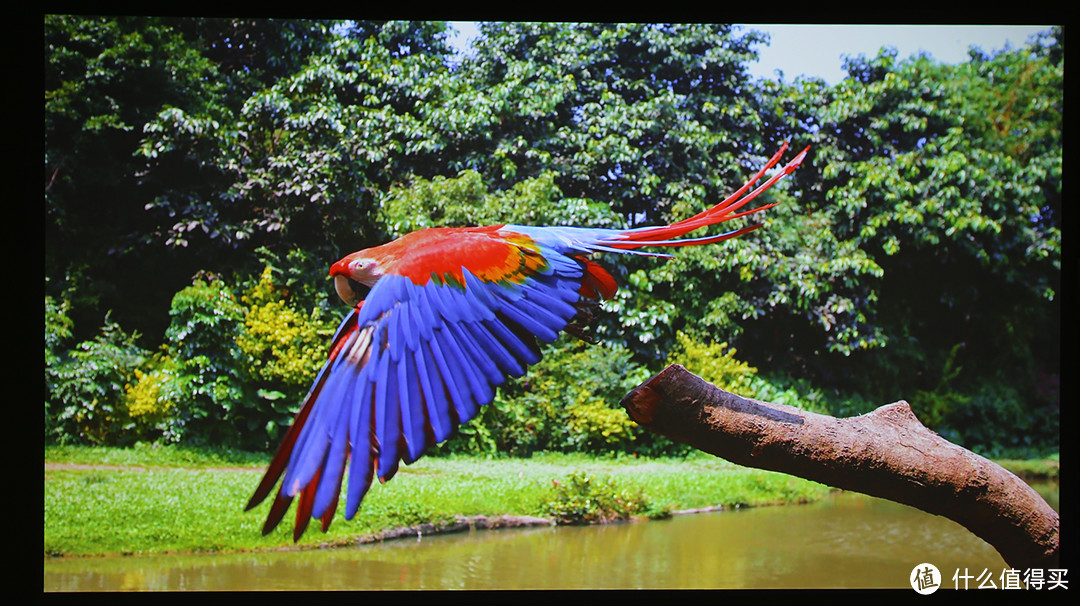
(916, 254)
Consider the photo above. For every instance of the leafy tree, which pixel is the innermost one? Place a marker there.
(650, 119)
(254, 53)
(104, 79)
(946, 180)
(653, 120)
(465, 200)
(303, 161)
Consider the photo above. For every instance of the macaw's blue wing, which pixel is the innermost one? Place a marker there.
(405, 370)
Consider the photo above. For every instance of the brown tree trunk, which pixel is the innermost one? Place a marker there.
(886, 453)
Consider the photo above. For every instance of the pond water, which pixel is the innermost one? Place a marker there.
(848, 540)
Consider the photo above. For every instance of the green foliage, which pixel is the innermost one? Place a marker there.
(85, 397)
(583, 499)
(212, 403)
(797, 281)
(57, 329)
(242, 366)
(945, 180)
(932, 406)
(234, 371)
(105, 78)
(642, 116)
(579, 386)
(996, 420)
(465, 200)
(928, 212)
(283, 347)
(716, 363)
(594, 426)
(301, 163)
(644, 317)
(152, 399)
(948, 178)
(567, 402)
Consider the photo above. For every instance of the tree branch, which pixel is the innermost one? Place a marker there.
(886, 453)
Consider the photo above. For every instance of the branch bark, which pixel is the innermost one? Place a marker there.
(886, 453)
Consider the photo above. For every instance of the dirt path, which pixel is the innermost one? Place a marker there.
(104, 466)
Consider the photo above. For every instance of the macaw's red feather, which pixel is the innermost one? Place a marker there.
(303, 506)
(724, 211)
(440, 253)
(281, 458)
(277, 511)
(597, 283)
(451, 314)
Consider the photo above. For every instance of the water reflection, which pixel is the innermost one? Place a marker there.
(847, 541)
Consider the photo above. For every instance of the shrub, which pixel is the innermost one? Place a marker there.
(596, 427)
(282, 347)
(996, 421)
(932, 406)
(228, 373)
(57, 329)
(152, 400)
(283, 350)
(85, 398)
(57, 332)
(715, 363)
(793, 392)
(583, 499)
(211, 405)
(567, 402)
(519, 426)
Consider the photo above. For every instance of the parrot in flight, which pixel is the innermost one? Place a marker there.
(451, 313)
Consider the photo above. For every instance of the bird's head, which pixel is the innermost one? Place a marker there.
(352, 271)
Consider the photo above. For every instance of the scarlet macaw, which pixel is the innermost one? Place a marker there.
(451, 313)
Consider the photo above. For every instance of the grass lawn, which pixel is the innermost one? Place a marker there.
(102, 501)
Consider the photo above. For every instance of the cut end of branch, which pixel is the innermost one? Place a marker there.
(641, 404)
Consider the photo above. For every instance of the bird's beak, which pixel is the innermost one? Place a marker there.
(350, 291)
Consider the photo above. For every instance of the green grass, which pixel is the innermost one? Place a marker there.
(153, 455)
(155, 500)
(1048, 468)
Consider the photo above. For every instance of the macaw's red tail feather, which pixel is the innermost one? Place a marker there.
(724, 211)
(705, 239)
(725, 206)
(303, 507)
(277, 511)
(281, 457)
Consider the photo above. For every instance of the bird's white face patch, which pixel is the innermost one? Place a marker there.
(364, 271)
